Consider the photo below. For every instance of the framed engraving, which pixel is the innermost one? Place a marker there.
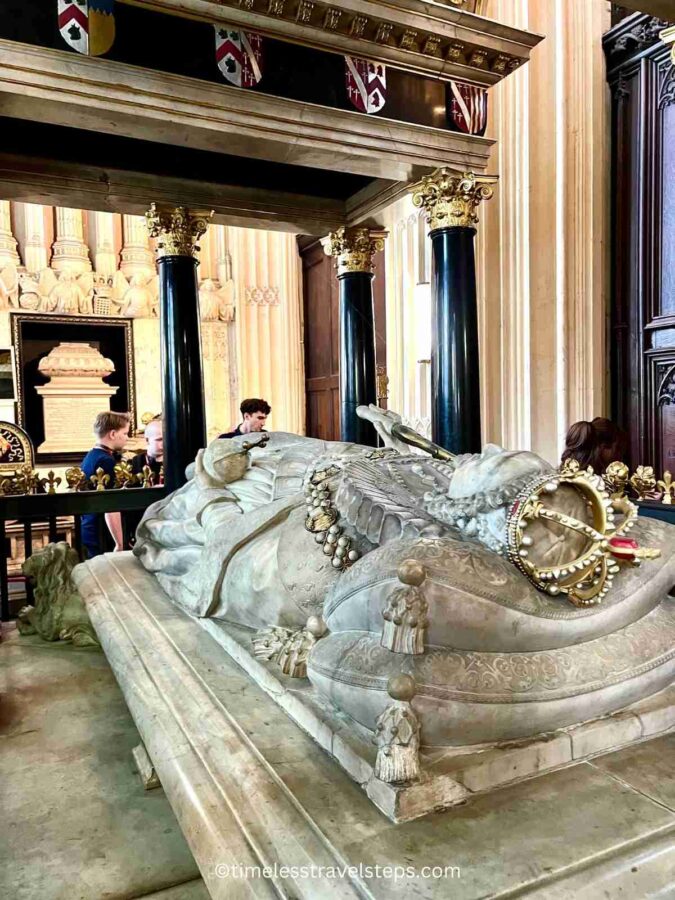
(34, 337)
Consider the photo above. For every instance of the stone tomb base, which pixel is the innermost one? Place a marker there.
(224, 792)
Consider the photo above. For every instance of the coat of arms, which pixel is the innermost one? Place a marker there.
(239, 55)
(87, 26)
(467, 108)
(366, 84)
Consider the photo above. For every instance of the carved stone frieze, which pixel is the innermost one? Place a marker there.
(410, 36)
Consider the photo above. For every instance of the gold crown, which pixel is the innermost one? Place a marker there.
(586, 577)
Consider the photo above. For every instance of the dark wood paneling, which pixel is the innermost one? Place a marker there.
(322, 348)
(642, 81)
(322, 336)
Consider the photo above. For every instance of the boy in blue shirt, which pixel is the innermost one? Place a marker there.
(112, 431)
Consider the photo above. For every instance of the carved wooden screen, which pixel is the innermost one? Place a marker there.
(642, 80)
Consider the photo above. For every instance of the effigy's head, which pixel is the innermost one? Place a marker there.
(495, 475)
(226, 460)
(561, 529)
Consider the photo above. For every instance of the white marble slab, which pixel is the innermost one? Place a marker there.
(248, 786)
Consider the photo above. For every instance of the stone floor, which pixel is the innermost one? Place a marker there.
(75, 821)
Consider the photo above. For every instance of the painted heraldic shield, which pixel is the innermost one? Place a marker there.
(467, 108)
(366, 84)
(87, 26)
(239, 55)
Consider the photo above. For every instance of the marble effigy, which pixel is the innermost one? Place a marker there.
(404, 560)
(427, 630)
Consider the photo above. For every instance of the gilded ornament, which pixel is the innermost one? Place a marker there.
(616, 478)
(478, 58)
(667, 486)
(431, 45)
(408, 39)
(25, 480)
(358, 26)
(455, 51)
(450, 199)
(75, 479)
(382, 383)
(383, 33)
(176, 230)
(500, 63)
(570, 467)
(51, 482)
(99, 479)
(331, 20)
(353, 248)
(304, 13)
(147, 477)
(123, 474)
(643, 482)
(276, 7)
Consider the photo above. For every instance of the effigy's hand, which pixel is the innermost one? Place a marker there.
(383, 420)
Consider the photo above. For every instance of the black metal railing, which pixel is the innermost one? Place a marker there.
(30, 510)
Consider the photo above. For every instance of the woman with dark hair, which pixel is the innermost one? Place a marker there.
(595, 444)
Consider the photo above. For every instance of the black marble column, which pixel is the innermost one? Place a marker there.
(455, 374)
(183, 391)
(358, 383)
(177, 231)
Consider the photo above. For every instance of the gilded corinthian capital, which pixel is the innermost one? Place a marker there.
(451, 198)
(353, 248)
(177, 230)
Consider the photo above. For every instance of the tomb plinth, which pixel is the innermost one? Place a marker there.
(74, 395)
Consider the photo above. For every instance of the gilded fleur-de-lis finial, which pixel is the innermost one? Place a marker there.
(148, 477)
(124, 477)
(51, 482)
(99, 479)
(643, 482)
(75, 478)
(668, 487)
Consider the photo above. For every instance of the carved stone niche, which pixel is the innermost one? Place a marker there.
(74, 395)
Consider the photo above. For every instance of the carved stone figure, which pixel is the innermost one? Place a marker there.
(137, 297)
(494, 581)
(216, 302)
(59, 613)
(67, 292)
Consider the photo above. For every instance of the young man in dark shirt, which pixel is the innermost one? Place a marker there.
(112, 431)
(254, 415)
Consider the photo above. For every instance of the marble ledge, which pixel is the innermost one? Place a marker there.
(111, 97)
